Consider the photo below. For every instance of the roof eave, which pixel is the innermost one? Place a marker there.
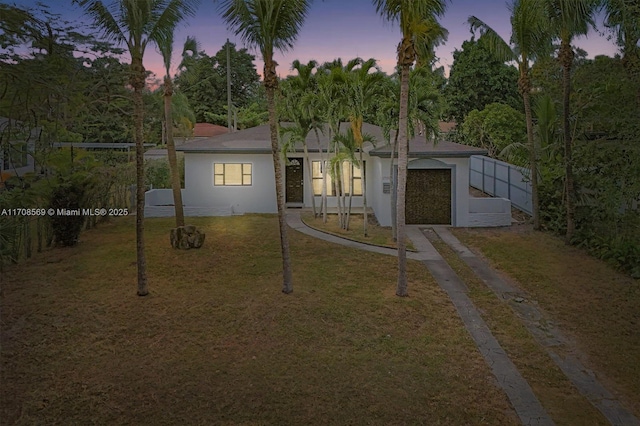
(224, 151)
(456, 154)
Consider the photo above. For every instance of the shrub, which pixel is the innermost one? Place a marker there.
(67, 196)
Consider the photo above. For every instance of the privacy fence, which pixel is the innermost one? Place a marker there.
(501, 179)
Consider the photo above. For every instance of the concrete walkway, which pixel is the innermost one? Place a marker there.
(524, 401)
(545, 332)
(526, 404)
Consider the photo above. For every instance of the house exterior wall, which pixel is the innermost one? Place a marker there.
(200, 191)
(332, 202)
(260, 197)
(459, 187)
(379, 201)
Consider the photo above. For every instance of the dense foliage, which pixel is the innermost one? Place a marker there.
(477, 79)
(606, 158)
(495, 128)
(203, 80)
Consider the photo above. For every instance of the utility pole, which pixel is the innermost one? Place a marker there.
(229, 125)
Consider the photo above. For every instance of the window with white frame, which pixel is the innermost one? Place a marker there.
(348, 172)
(232, 174)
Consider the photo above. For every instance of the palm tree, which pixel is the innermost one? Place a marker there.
(166, 49)
(270, 25)
(331, 80)
(299, 107)
(421, 32)
(569, 18)
(387, 118)
(530, 37)
(138, 23)
(363, 88)
(623, 19)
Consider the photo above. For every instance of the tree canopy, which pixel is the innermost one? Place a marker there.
(203, 79)
(477, 78)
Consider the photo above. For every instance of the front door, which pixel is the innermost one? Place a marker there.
(294, 181)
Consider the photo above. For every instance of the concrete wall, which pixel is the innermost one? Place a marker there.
(199, 190)
(169, 211)
(489, 212)
(160, 197)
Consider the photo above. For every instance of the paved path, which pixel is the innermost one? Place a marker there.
(524, 401)
(545, 332)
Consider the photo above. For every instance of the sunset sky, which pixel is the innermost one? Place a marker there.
(342, 28)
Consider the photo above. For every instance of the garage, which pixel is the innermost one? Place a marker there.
(428, 197)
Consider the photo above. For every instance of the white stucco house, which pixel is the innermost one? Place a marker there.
(233, 174)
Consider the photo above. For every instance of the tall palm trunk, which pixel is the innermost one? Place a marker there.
(363, 179)
(525, 89)
(392, 191)
(325, 172)
(350, 196)
(566, 58)
(323, 197)
(406, 56)
(271, 84)
(171, 152)
(309, 176)
(137, 82)
(336, 186)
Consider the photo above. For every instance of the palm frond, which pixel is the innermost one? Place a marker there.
(570, 18)
(516, 153)
(190, 51)
(103, 18)
(290, 136)
(166, 14)
(166, 50)
(266, 24)
(531, 31)
(429, 34)
(490, 39)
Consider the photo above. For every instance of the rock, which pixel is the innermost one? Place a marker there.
(186, 237)
(173, 237)
(184, 242)
(198, 240)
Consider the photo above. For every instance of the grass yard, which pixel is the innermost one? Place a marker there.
(376, 235)
(216, 342)
(591, 302)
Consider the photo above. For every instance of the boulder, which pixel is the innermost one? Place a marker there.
(186, 237)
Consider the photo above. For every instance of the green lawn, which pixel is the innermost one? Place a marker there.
(216, 342)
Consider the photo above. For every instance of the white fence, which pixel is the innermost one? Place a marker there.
(501, 179)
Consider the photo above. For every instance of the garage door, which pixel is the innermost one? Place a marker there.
(428, 197)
